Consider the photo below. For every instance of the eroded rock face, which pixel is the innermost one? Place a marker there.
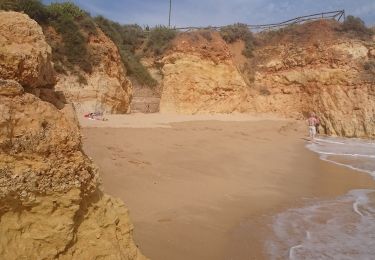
(200, 77)
(24, 54)
(328, 78)
(313, 69)
(107, 89)
(51, 206)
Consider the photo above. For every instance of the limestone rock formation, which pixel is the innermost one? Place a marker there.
(326, 74)
(310, 67)
(200, 77)
(51, 206)
(107, 89)
(24, 54)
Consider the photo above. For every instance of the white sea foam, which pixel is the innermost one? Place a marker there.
(337, 229)
(356, 154)
(343, 228)
(328, 141)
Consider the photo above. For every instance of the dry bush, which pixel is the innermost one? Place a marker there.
(159, 39)
(128, 38)
(355, 27)
(207, 34)
(235, 32)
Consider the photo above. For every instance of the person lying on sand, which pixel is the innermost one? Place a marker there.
(312, 123)
(96, 116)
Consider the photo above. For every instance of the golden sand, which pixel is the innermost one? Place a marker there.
(208, 189)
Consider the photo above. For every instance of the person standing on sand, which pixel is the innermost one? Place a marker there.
(312, 123)
(317, 124)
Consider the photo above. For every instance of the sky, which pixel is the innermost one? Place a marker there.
(219, 12)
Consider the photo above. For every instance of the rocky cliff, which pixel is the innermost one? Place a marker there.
(315, 68)
(29, 64)
(106, 87)
(51, 206)
(310, 67)
(199, 76)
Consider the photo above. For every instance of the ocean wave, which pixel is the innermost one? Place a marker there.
(342, 228)
(335, 229)
(336, 150)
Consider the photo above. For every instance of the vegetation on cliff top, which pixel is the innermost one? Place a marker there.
(159, 39)
(71, 23)
(238, 31)
(128, 39)
(134, 42)
(74, 26)
(354, 26)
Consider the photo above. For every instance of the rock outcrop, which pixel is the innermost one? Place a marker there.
(311, 67)
(200, 77)
(325, 73)
(24, 54)
(107, 89)
(51, 206)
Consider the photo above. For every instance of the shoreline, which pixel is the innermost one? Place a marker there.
(243, 232)
(208, 189)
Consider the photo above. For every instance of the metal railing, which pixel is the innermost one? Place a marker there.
(335, 15)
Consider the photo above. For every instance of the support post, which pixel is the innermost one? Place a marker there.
(170, 11)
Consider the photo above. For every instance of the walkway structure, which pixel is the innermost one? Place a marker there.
(335, 15)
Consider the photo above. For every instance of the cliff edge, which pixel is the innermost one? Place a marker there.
(199, 76)
(51, 203)
(312, 67)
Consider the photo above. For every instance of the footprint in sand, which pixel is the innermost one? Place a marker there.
(163, 220)
(243, 133)
(118, 164)
(139, 163)
(114, 149)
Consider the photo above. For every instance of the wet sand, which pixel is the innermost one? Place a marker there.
(208, 189)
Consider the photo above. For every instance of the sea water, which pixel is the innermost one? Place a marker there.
(342, 228)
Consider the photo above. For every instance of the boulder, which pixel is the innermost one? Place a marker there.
(25, 56)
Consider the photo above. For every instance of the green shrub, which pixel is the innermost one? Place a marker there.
(68, 20)
(74, 47)
(74, 25)
(235, 32)
(137, 70)
(207, 34)
(65, 9)
(355, 26)
(33, 8)
(87, 25)
(159, 39)
(132, 36)
(128, 38)
(111, 29)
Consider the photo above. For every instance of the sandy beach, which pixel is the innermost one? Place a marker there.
(206, 187)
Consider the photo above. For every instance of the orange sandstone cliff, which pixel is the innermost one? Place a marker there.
(309, 67)
(51, 205)
(314, 68)
(105, 88)
(199, 76)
